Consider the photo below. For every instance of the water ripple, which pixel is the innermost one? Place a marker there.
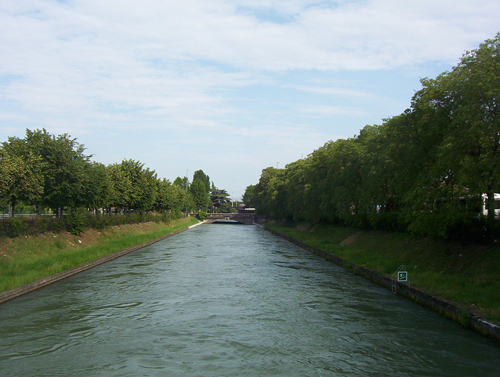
(230, 301)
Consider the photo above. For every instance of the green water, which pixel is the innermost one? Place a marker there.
(229, 300)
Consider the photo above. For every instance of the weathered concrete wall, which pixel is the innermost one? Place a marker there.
(448, 309)
(5, 296)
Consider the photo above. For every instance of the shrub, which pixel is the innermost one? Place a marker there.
(359, 221)
(76, 221)
(177, 214)
(202, 215)
(388, 221)
(17, 226)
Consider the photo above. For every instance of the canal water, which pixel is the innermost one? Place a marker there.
(228, 300)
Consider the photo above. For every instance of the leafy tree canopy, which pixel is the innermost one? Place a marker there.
(199, 174)
(220, 201)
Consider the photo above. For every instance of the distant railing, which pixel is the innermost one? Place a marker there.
(26, 215)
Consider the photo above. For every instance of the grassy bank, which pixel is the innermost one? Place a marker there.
(468, 275)
(29, 258)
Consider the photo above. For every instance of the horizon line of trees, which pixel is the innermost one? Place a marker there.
(425, 171)
(44, 171)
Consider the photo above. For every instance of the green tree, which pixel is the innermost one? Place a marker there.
(199, 174)
(122, 188)
(64, 168)
(199, 194)
(343, 179)
(316, 187)
(163, 200)
(99, 186)
(170, 197)
(220, 200)
(141, 185)
(182, 182)
(452, 146)
(21, 174)
(187, 198)
(277, 195)
(473, 97)
(429, 166)
(270, 192)
(297, 188)
(249, 196)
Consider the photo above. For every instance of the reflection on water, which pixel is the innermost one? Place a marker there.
(230, 301)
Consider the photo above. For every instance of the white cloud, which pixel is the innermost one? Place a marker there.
(331, 110)
(219, 67)
(101, 36)
(332, 91)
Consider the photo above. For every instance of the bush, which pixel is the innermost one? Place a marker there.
(17, 226)
(359, 221)
(474, 230)
(100, 221)
(76, 221)
(453, 226)
(202, 216)
(177, 214)
(388, 221)
(44, 224)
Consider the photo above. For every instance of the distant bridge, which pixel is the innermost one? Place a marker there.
(230, 218)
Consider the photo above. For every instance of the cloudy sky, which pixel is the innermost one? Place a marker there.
(226, 86)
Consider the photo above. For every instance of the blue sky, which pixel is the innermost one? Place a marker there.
(229, 87)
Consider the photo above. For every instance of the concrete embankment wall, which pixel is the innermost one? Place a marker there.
(5, 296)
(448, 309)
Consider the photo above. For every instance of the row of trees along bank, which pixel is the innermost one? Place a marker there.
(425, 171)
(44, 173)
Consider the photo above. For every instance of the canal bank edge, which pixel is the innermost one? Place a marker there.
(445, 308)
(19, 291)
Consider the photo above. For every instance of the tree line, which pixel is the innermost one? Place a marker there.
(428, 171)
(45, 171)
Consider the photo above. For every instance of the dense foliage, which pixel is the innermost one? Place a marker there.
(219, 200)
(48, 174)
(428, 170)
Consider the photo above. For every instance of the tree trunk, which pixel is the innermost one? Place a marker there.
(13, 201)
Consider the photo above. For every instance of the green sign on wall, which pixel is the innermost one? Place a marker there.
(402, 275)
